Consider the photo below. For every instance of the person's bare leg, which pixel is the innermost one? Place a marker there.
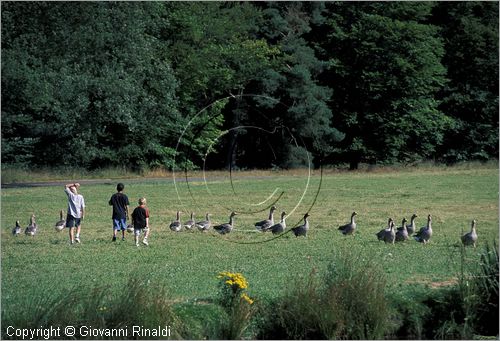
(72, 235)
(77, 237)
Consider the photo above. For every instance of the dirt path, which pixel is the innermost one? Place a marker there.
(115, 181)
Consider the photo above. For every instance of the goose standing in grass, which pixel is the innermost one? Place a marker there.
(425, 232)
(227, 227)
(204, 225)
(388, 235)
(176, 224)
(17, 229)
(264, 225)
(61, 223)
(381, 234)
(32, 227)
(470, 238)
(402, 233)
(411, 227)
(301, 230)
(279, 227)
(188, 225)
(349, 228)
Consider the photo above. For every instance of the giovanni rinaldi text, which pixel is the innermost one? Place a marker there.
(85, 331)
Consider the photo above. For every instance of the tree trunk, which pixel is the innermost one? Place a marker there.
(233, 134)
(354, 160)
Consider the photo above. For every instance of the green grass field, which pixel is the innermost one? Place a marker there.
(187, 263)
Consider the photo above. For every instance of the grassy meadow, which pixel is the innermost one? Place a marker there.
(187, 263)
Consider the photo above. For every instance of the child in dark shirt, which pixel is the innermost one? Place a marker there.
(140, 219)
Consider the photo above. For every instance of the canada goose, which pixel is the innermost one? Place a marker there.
(188, 225)
(279, 227)
(32, 227)
(264, 225)
(302, 229)
(61, 223)
(470, 238)
(402, 233)
(411, 227)
(425, 232)
(227, 227)
(386, 233)
(17, 229)
(204, 225)
(176, 224)
(349, 228)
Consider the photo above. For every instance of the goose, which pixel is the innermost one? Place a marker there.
(204, 225)
(425, 232)
(176, 224)
(411, 227)
(470, 238)
(264, 225)
(188, 225)
(390, 235)
(302, 229)
(17, 229)
(279, 227)
(61, 223)
(227, 227)
(32, 227)
(349, 228)
(402, 233)
(385, 232)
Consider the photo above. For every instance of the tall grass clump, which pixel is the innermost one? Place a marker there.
(347, 302)
(138, 304)
(482, 298)
(468, 309)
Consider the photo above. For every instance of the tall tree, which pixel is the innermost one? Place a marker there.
(300, 106)
(384, 69)
(215, 54)
(85, 84)
(470, 32)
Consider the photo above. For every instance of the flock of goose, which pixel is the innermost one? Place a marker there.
(30, 230)
(403, 232)
(390, 234)
(266, 225)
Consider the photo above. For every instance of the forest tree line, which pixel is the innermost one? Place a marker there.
(250, 84)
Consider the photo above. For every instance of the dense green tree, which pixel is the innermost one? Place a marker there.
(470, 34)
(299, 108)
(384, 69)
(96, 84)
(215, 54)
(85, 84)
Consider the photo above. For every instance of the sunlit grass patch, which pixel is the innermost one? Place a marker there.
(186, 262)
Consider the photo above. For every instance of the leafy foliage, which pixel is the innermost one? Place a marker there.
(470, 35)
(384, 70)
(160, 84)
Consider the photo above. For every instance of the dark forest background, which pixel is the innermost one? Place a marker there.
(107, 84)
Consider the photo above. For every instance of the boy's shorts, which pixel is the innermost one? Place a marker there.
(120, 224)
(72, 221)
(137, 232)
